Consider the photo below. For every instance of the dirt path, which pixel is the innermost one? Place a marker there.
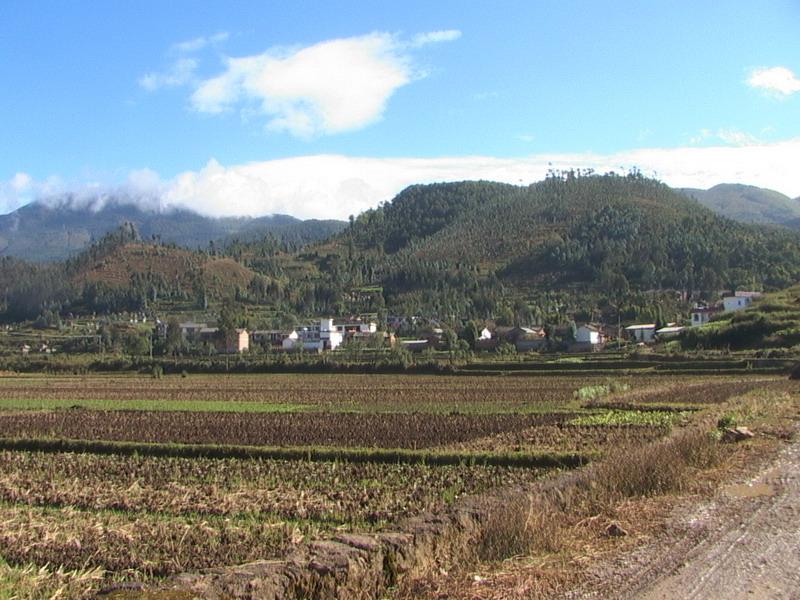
(745, 543)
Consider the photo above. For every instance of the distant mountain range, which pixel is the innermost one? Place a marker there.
(57, 229)
(749, 204)
(60, 227)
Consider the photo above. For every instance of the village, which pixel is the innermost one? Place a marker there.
(329, 334)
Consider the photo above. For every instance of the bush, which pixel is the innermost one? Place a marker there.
(726, 421)
(521, 525)
(654, 468)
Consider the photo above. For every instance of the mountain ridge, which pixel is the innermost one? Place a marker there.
(748, 203)
(54, 229)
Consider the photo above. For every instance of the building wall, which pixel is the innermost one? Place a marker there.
(732, 303)
(584, 335)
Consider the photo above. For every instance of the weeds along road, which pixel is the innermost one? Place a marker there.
(743, 544)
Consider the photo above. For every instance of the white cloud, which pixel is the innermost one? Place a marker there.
(20, 182)
(333, 186)
(198, 43)
(180, 72)
(435, 37)
(775, 80)
(22, 189)
(730, 136)
(327, 88)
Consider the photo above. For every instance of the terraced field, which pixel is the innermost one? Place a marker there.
(147, 513)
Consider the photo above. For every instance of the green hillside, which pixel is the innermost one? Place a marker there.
(748, 203)
(606, 236)
(773, 321)
(572, 246)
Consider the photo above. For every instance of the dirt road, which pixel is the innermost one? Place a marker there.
(745, 543)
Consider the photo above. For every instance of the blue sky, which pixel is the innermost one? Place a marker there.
(327, 108)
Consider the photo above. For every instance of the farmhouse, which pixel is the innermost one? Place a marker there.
(669, 332)
(191, 331)
(315, 338)
(644, 333)
(702, 314)
(415, 345)
(271, 338)
(588, 338)
(739, 300)
(235, 342)
(352, 327)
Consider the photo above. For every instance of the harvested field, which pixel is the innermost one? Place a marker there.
(146, 517)
(333, 492)
(563, 437)
(304, 389)
(134, 545)
(677, 394)
(398, 430)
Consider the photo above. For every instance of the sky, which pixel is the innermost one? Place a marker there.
(325, 109)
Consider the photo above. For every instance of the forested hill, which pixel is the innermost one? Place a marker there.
(571, 244)
(749, 204)
(459, 245)
(576, 227)
(59, 228)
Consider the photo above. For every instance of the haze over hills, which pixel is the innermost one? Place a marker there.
(58, 228)
(749, 204)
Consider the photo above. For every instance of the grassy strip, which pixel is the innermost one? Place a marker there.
(565, 460)
(664, 419)
(153, 405)
(226, 406)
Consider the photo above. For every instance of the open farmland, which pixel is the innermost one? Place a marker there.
(146, 515)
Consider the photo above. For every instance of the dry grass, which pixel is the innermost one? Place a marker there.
(537, 544)
(35, 583)
(521, 525)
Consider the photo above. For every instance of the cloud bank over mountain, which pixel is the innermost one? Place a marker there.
(335, 186)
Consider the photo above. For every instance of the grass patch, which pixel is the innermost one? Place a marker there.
(153, 405)
(592, 393)
(633, 417)
(34, 583)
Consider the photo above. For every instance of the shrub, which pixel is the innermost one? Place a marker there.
(726, 421)
(521, 525)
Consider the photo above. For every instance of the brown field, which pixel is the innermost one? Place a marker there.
(138, 517)
(148, 516)
(360, 430)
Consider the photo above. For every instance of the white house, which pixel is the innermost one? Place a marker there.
(645, 333)
(702, 314)
(273, 338)
(669, 332)
(588, 334)
(739, 300)
(485, 334)
(316, 338)
(351, 327)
